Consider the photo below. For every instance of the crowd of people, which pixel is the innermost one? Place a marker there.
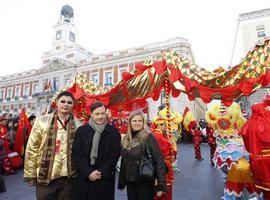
(12, 139)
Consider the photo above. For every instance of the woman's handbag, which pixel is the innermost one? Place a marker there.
(146, 168)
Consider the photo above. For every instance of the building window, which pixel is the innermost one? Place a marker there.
(55, 84)
(23, 105)
(1, 94)
(121, 70)
(70, 55)
(260, 31)
(67, 81)
(35, 88)
(9, 93)
(7, 109)
(94, 78)
(17, 92)
(15, 109)
(33, 106)
(46, 61)
(108, 79)
(58, 35)
(26, 91)
(71, 36)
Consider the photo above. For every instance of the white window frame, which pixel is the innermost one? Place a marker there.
(9, 94)
(95, 74)
(72, 36)
(104, 77)
(24, 91)
(120, 71)
(60, 32)
(35, 90)
(2, 93)
(260, 31)
(19, 92)
(67, 80)
(58, 82)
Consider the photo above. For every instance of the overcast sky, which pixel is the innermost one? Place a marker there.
(109, 25)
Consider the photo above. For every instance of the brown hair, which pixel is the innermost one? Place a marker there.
(95, 105)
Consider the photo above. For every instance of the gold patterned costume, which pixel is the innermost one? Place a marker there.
(42, 150)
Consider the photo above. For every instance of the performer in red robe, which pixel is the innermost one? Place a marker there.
(159, 130)
(4, 160)
(256, 135)
(3, 133)
(211, 140)
(197, 142)
(23, 131)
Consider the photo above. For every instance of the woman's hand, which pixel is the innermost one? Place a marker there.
(160, 193)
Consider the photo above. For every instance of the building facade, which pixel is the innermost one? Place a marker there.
(33, 89)
(251, 28)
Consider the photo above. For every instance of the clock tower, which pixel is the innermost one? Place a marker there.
(64, 45)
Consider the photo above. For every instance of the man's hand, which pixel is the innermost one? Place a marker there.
(95, 175)
(31, 183)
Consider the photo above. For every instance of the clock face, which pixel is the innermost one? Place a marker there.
(71, 36)
(58, 35)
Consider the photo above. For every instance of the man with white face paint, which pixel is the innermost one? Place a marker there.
(48, 160)
(96, 150)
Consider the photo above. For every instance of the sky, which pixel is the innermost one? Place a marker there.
(111, 25)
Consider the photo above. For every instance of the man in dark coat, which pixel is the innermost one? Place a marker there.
(96, 150)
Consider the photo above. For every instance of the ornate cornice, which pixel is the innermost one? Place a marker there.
(254, 14)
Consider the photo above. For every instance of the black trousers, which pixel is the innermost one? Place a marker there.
(58, 189)
(140, 190)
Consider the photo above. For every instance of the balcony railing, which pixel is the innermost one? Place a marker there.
(25, 96)
(8, 98)
(16, 98)
(107, 84)
(43, 93)
(1, 100)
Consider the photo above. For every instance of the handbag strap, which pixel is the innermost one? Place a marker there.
(147, 150)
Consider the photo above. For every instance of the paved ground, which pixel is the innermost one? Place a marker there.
(196, 181)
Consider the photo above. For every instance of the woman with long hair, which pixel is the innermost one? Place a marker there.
(138, 142)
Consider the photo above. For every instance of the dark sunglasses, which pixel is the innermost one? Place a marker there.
(69, 102)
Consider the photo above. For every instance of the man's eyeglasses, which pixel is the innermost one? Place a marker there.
(68, 102)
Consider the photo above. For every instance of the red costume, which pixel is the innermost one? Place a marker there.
(169, 156)
(211, 140)
(23, 132)
(256, 135)
(3, 135)
(4, 161)
(121, 126)
(197, 142)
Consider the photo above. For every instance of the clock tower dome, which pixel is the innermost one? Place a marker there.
(65, 35)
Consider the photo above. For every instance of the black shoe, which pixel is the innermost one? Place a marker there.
(199, 159)
(14, 173)
(2, 185)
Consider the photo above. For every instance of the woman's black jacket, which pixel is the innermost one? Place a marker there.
(130, 162)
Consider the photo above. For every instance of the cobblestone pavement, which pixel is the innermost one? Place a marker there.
(197, 180)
